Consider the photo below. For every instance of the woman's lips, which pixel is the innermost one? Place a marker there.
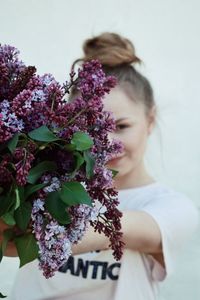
(115, 159)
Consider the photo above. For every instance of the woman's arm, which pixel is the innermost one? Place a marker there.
(140, 233)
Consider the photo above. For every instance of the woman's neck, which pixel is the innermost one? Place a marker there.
(138, 177)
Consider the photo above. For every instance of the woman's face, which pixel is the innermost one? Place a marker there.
(133, 127)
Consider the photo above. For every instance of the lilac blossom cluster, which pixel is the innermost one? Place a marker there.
(55, 240)
(28, 102)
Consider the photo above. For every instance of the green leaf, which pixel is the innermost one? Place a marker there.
(7, 236)
(30, 189)
(18, 201)
(73, 193)
(2, 296)
(41, 168)
(82, 141)
(43, 134)
(79, 160)
(21, 193)
(6, 203)
(12, 144)
(114, 172)
(27, 248)
(23, 215)
(90, 163)
(1, 189)
(69, 147)
(9, 219)
(57, 208)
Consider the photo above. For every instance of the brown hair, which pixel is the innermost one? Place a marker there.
(117, 56)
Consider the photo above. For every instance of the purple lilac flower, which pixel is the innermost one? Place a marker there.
(47, 79)
(10, 69)
(55, 240)
(54, 185)
(102, 177)
(82, 215)
(28, 101)
(9, 122)
(38, 205)
(22, 163)
(93, 80)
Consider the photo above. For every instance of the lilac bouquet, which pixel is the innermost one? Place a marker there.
(53, 154)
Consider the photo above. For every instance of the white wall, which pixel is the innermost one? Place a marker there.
(50, 33)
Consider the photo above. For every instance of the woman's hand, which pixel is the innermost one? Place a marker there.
(11, 249)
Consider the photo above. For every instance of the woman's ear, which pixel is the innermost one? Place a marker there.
(152, 119)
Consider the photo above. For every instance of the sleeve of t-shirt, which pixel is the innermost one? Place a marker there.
(177, 219)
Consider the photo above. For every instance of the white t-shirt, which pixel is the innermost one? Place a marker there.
(96, 275)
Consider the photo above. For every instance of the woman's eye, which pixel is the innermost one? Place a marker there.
(121, 126)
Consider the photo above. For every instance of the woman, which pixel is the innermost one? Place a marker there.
(156, 220)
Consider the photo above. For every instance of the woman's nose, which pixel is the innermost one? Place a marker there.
(112, 136)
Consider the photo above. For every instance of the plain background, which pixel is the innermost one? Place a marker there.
(49, 34)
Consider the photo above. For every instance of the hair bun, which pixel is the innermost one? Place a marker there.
(110, 49)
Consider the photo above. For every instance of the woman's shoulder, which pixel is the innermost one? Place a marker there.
(170, 196)
(157, 195)
(153, 190)
(172, 206)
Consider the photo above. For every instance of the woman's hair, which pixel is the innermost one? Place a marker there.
(117, 56)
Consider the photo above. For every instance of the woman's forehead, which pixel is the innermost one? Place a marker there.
(118, 102)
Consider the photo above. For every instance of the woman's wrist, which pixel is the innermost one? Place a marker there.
(91, 241)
